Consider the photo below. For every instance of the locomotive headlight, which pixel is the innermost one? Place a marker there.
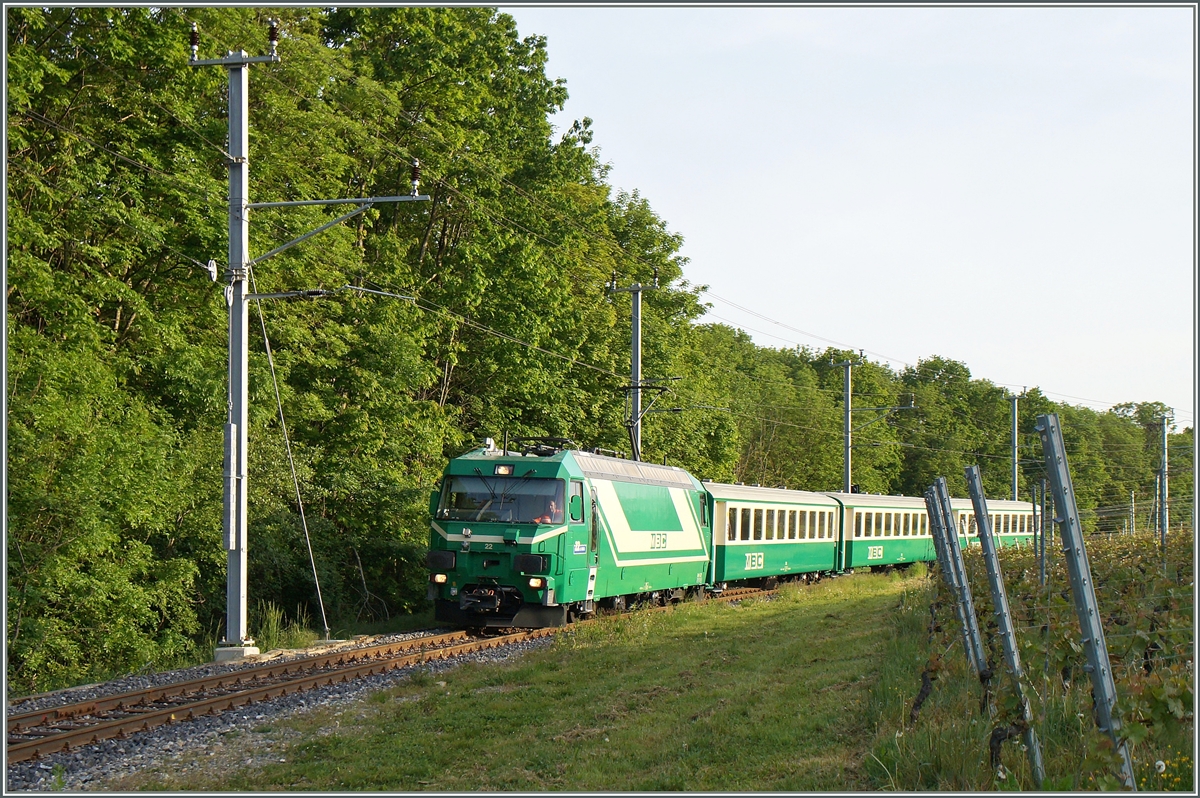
(537, 582)
(439, 579)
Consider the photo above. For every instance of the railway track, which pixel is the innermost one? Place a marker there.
(32, 735)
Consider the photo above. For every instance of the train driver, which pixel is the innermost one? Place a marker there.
(553, 515)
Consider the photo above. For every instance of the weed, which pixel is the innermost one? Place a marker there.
(273, 630)
(58, 777)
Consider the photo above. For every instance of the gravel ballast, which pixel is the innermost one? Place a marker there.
(200, 746)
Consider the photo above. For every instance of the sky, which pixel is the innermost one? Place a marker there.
(1011, 188)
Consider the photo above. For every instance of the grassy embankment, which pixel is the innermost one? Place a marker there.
(813, 691)
(769, 695)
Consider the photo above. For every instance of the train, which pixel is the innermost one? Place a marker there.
(545, 534)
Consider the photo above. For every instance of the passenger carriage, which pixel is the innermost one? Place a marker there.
(771, 532)
(1012, 522)
(885, 530)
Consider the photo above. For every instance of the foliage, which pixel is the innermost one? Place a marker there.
(117, 339)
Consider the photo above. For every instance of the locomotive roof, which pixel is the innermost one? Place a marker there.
(599, 466)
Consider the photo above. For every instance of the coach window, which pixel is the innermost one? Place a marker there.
(820, 525)
(758, 524)
(1021, 524)
(803, 524)
(858, 525)
(924, 524)
(831, 534)
(904, 518)
(791, 524)
(745, 528)
(887, 525)
(770, 524)
(731, 533)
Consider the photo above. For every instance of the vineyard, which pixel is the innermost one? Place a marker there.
(961, 731)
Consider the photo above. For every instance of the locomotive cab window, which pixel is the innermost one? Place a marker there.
(509, 500)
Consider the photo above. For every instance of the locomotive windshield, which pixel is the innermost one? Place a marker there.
(512, 500)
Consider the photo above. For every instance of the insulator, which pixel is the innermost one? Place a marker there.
(195, 40)
(273, 32)
(416, 175)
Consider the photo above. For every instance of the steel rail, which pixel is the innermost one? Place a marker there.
(122, 701)
(63, 739)
(58, 729)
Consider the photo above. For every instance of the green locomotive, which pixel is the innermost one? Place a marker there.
(536, 538)
(544, 535)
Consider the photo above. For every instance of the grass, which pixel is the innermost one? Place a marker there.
(768, 695)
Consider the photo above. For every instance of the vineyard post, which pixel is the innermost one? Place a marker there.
(948, 572)
(1012, 657)
(1086, 608)
(1152, 520)
(958, 572)
(1039, 531)
(1164, 504)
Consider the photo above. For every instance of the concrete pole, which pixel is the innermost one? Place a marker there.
(1014, 399)
(847, 411)
(635, 380)
(846, 483)
(236, 430)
